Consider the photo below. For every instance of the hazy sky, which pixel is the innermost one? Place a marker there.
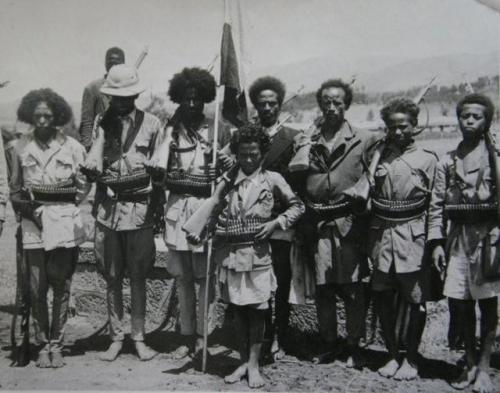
(61, 43)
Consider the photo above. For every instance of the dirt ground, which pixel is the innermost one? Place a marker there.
(84, 371)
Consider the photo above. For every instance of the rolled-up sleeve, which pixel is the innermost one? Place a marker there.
(436, 225)
(295, 206)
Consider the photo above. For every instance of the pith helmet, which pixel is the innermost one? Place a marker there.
(122, 81)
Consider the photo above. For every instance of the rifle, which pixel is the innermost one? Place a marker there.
(494, 154)
(141, 57)
(360, 192)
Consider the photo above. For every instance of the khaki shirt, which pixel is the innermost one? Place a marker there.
(401, 175)
(179, 208)
(125, 216)
(255, 197)
(456, 184)
(35, 163)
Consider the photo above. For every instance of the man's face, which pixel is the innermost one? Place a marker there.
(192, 105)
(268, 107)
(332, 105)
(249, 157)
(113, 59)
(472, 121)
(400, 129)
(122, 106)
(43, 117)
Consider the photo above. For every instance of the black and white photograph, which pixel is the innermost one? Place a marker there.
(250, 195)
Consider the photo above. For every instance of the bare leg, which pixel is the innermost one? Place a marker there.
(256, 336)
(489, 321)
(241, 324)
(387, 314)
(468, 375)
(409, 367)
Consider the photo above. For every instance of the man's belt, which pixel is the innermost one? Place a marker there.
(59, 192)
(132, 197)
(237, 231)
(126, 183)
(182, 182)
(329, 211)
(404, 210)
(470, 213)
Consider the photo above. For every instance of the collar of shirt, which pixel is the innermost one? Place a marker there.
(345, 130)
(252, 178)
(130, 116)
(57, 140)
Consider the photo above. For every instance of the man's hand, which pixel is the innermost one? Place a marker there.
(439, 259)
(267, 229)
(225, 161)
(301, 140)
(90, 172)
(193, 239)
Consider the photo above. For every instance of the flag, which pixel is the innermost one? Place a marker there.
(234, 106)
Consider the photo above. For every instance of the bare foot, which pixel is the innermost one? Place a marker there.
(406, 372)
(112, 352)
(144, 352)
(390, 369)
(483, 383)
(57, 359)
(237, 374)
(43, 360)
(255, 380)
(180, 353)
(466, 378)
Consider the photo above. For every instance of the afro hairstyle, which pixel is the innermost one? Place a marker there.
(250, 133)
(336, 83)
(60, 109)
(480, 99)
(199, 79)
(267, 83)
(400, 105)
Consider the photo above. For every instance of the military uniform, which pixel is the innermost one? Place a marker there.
(189, 156)
(124, 239)
(403, 180)
(246, 270)
(50, 249)
(473, 235)
(340, 258)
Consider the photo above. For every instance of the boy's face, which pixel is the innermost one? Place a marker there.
(472, 121)
(249, 157)
(400, 129)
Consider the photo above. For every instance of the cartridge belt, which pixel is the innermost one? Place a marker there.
(402, 210)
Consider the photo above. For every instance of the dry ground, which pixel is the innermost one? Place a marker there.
(85, 372)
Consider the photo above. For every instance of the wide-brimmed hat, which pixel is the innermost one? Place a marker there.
(122, 81)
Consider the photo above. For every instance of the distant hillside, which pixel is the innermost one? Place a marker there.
(382, 74)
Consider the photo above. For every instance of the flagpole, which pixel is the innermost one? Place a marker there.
(209, 243)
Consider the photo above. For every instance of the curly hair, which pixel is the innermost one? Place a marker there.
(267, 83)
(336, 83)
(480, 99)
(201, 80)
(60, 108)
(400, 105)
(250, 133)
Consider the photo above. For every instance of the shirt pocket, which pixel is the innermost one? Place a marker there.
(417, 229)
(140, 151)
(63, 167)
(32, 173)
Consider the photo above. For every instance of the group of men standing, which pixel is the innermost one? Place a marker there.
(125, 147)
